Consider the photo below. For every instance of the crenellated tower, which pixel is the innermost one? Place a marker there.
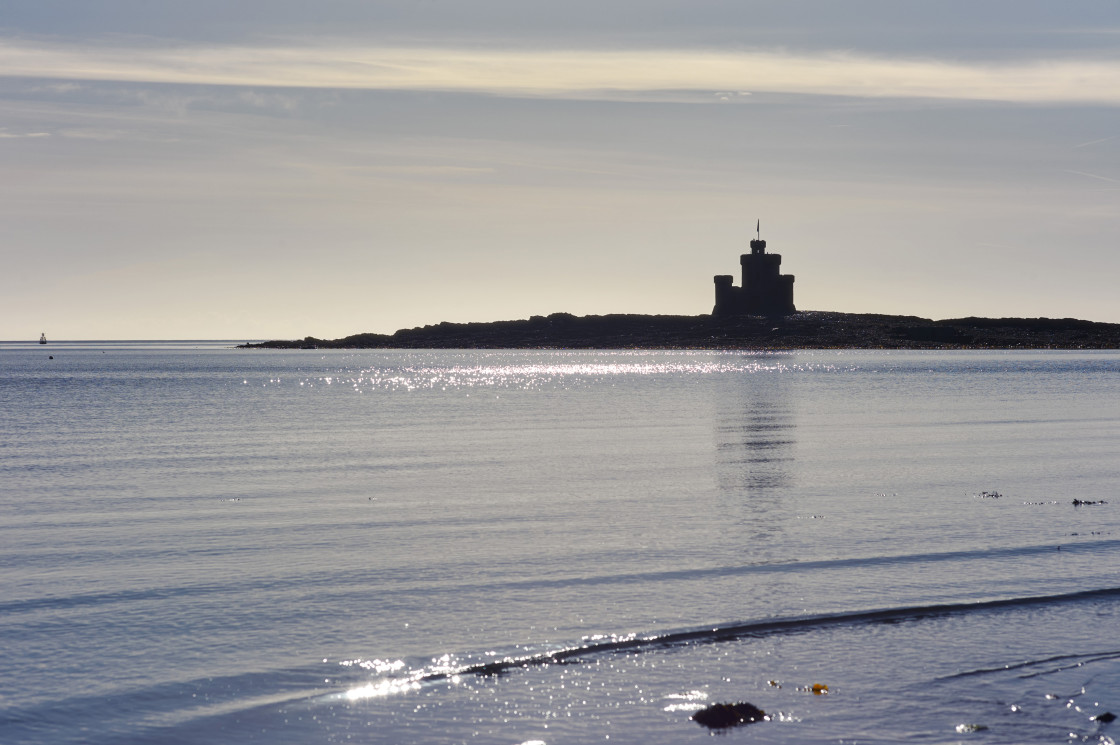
(764, 291)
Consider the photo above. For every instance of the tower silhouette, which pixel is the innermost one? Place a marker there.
(765, 290)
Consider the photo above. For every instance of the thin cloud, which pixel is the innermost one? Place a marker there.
(573, 73)
(1094, 176)
(1096, 142)
(6, 135)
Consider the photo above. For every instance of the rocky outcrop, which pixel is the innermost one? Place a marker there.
(803, 330)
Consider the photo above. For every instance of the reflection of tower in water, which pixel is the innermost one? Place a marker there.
(756, 449)
(756, 474)
(755, 441)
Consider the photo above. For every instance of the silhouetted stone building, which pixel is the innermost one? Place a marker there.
(765, 290)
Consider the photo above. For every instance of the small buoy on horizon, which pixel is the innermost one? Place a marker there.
(50, 357)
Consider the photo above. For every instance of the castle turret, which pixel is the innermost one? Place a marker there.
(726, 293)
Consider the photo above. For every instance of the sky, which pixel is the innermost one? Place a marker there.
(263, 169)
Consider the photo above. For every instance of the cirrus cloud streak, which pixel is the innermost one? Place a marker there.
(570, 73)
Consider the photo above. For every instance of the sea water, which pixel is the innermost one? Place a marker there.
(201, 544)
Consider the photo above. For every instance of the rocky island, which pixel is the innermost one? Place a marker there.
(759, 314)
(799, 330)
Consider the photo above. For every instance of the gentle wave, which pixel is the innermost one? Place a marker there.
(538, 583)
(446, 670)
(736, 631)
(1064, 662)
(224, 695)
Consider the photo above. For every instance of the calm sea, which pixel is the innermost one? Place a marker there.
(208, 545)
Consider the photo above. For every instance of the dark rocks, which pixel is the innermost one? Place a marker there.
(949, 334)
(1086, 502)
(801, 330)
(720, 716)
(1105, 718)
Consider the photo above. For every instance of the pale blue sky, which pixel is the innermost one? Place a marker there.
(278, 169)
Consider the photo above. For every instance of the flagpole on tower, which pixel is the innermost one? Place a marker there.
(758, 229)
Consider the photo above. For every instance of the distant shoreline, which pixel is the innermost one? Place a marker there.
(803, 330)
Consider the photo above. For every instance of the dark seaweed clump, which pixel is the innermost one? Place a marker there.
(718, 716)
